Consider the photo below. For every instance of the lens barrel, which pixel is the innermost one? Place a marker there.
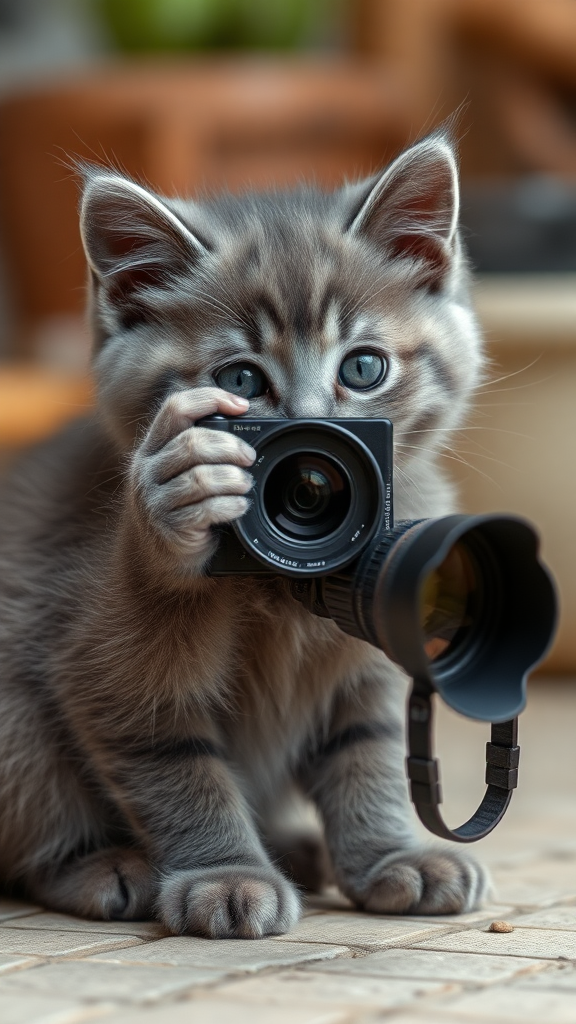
(462, 603)
(319, 496)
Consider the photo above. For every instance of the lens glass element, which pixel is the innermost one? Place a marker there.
(449, 599)
(307, 495)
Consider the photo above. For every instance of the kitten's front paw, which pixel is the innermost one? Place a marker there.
(185, 479)
(228, 903)
(424, 881)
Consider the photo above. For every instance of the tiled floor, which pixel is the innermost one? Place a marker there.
(339, 966)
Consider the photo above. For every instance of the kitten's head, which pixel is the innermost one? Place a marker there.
(351, 303)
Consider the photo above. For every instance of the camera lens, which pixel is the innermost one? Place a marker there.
(462, 603)
(307, 496)
(449, 599)
(319, 494)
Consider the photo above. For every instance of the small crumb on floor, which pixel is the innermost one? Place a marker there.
(501, 926)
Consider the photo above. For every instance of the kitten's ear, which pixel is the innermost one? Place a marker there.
(411, 210)
(131, 238)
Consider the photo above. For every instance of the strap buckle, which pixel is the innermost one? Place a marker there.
(502, 759)
(502, 766)
(424, 778)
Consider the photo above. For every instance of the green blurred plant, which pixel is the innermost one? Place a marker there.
(180, 25)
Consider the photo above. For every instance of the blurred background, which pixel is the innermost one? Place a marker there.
(195, 94)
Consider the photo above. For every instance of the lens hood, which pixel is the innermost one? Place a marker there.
(503, 602)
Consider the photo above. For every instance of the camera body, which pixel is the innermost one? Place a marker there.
(322, 491)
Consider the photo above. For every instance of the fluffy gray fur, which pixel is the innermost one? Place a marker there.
(151, 718)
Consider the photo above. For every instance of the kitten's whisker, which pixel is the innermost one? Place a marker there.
(515, 373)
(481, 447)
(497, 430)
(501, 405)
(489, 458)
(366, 296)
(454, 457)
(521, 387)
(457, 430)
(222, 307)
(470, 465)
(457, 452)
(403, 474)
(354, 302)
(212, 278)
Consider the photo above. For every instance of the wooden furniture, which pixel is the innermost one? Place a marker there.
(510, 64)
(34, 402)
(181, 127)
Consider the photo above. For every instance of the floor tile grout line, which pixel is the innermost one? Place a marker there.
(543, 959)
(404, 918)
(440, 998)
(538, 966)
(141, 939)
(200, 992)
(197, 993)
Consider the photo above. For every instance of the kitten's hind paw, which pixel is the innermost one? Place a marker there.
(232, 902)
(303, 858)
(424, 881)
(112, 884)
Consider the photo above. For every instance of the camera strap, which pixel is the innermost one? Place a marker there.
(502, 757)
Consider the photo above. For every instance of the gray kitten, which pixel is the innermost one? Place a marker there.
(152, 719)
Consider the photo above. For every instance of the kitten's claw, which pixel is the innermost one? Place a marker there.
(423, 882)
(228, 903)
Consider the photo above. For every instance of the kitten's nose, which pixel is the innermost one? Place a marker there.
(313, 407)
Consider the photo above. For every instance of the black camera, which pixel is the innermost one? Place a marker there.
(322, 490)
(462, 603)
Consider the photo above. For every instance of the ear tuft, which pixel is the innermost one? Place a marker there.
(411, 210)
(131, 237)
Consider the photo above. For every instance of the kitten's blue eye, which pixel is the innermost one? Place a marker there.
(242, 379)
(362, 370)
